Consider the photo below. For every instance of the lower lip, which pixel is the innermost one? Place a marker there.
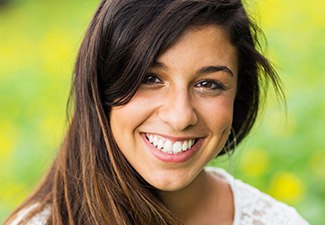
(172, 158)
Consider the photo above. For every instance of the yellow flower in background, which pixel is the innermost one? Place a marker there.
(316, 13)
(8, 140)
(287, 187)
(57, 50)
(272, 13)
(317, 164)
(254, 162)
(52, 127)
(16, 53)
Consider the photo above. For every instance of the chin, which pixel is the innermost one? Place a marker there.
(170, 187)
(170, 181)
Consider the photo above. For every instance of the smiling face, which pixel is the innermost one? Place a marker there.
(181, 115)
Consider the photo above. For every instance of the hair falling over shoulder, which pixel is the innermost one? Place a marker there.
(90, 181)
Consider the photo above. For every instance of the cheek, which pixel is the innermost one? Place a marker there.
(128, 117)
(217, 114)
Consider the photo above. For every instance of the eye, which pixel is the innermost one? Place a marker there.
(210, 85)
(151, 79)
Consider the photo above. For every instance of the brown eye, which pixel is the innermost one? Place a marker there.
(151, 79)
(210, 84)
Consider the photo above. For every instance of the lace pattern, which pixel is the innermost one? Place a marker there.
(252, 207)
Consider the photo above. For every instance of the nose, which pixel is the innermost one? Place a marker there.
(178, 110)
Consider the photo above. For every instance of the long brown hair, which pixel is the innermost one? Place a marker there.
(90, 181)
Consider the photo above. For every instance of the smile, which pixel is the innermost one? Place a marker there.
(168, 146)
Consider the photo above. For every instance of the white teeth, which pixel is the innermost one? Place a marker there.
(155, 141)
(184, 146)
(160, 144)
(150, 138)
(177, 147)
(168, 146)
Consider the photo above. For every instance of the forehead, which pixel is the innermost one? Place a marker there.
(201, 46)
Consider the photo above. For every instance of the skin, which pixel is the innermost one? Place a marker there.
(181, 99)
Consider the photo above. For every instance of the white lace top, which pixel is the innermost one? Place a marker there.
(252, 207)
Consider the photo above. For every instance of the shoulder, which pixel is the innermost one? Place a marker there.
(255, 207)
(39, 219)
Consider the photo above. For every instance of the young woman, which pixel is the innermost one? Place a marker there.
(161, 87)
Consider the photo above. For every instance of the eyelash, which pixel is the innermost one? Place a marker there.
(148, 79)
(210, 85)
(213, 85)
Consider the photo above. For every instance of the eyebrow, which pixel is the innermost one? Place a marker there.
(203, 70)
(213, 69)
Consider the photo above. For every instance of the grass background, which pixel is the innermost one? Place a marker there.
(284, 155)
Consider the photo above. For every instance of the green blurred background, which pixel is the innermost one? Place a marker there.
(284, 155)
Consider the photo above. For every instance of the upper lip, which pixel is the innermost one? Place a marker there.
(173, 138)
